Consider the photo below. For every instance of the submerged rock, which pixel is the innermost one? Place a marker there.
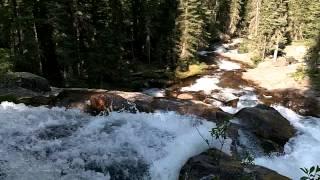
(228, 99)
(215, 164)
(267, 124)
(127, 170)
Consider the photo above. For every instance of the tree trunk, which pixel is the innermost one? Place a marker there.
(50, 66)
(276, 51)
(257, 17)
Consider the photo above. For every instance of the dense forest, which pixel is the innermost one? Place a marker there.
(94, 41)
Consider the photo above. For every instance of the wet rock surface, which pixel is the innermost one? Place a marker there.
(267, 123)
(215, 164)
(301, 103)
(261, 125)
(24, 80)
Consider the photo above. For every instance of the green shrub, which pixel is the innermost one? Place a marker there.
(300, 74)
(312, 173)
(193, 70)
(248, 159)
(9, 98)
(256, 59)
(243, 48)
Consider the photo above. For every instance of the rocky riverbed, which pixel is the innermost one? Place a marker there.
(157, 133)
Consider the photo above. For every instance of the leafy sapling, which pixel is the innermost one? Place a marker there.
(220, 133)
(311, 174)
(248, 159)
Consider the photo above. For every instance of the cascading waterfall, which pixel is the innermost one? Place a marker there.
(301, 151)
(40, 143)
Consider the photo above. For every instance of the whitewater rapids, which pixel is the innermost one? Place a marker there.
(45, 144)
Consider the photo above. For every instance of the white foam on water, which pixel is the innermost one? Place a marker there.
(43, 144)
(155, 92)
(204, 53)
(249, 99)
(205, 83)
(301, 151)
(220, 49)
(228, 65)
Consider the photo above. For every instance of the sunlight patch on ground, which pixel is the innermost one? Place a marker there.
(228, 65)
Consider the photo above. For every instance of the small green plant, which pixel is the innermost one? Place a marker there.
(216, 178)
(247, 159)
(300, 74)
(220, 132)
(243, 48)
(312, 173)
(256, 59)
(193, 70)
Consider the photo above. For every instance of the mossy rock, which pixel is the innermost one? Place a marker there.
(24, 80)
(9, 98)
(193, 70)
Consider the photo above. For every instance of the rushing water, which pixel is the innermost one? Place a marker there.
(41, 143)
(303, 150)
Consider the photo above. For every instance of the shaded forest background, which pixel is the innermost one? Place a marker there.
(89, 42)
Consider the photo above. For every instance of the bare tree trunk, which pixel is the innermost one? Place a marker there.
(38, 48)
(148, 42)
(183, 54)
(276, 51)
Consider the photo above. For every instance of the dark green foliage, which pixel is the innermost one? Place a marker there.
(5, 63)
(247, 159)
(220, 132)
(9, 98)
(312, 173)
(99, 42)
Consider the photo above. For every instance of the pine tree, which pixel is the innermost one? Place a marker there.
(192, 29)
(23, 36)
(272, 27)
(252, 16)
(234, 16)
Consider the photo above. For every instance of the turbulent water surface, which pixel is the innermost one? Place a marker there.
(37, 143)
(301, 151)
(41, 143)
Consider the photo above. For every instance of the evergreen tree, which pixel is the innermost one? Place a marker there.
(272, 27)
(192, 28)
(234, 16)
(252, 17)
